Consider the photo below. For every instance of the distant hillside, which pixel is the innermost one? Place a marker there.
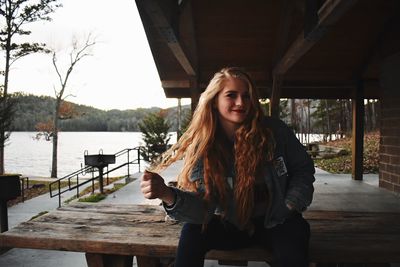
(31, 109)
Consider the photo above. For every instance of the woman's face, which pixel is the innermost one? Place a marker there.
(233, 104)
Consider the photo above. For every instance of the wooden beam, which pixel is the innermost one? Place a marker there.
(167, 33)
(328, 14)
(357, 139)
(310, 16)
(294, 89)
(282, 38)
(373, 50)
(275, 96)
(326, 93)
(188, 33)
(175, 84)
(281, 45)
(177, 93)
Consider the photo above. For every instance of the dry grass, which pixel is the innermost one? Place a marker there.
(343, 164)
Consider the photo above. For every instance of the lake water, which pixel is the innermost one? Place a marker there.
(25, 155)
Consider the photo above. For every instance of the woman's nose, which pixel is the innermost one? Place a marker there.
(239, 101)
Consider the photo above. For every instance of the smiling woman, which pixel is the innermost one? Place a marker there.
(121, 65)
(246, 179)
(233, 104)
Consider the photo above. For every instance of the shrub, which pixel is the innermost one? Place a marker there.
(154, 128)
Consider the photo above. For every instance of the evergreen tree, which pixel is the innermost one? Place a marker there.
(7, 111)
(154, 128)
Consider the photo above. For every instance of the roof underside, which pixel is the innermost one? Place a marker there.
(321, 49)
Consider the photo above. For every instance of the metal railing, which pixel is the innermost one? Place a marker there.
(24, 186)
(75, 179)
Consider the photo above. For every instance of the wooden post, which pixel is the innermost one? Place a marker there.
(179, 120)
(3, 216)
(195, 92)
(101, 183)
(10, 188)
(357, 140)
(147, 261)
(102, 260)
(275, 96)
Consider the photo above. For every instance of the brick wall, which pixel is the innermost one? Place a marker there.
(389, 168)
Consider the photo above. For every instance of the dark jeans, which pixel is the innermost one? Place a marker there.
(288, 241)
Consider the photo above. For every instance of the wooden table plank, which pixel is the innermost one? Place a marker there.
(145, 240)
(94, 219)
(114, 209)
(142, 230)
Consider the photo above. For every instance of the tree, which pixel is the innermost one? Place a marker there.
(154, 128)
(7, 111)
(371, 115)
(186, 121)
(46, 129)
(283, 108)
(330, 117)
(77, 53)
(308, 104)
(15, 14)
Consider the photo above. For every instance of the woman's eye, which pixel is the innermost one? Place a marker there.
(246, 96)
(231, 95)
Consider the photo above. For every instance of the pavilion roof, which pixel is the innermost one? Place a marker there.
(317, 49)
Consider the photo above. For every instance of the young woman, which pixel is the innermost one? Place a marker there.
(245, 180)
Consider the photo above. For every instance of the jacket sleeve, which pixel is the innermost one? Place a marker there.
(190, 206)
(300, 189)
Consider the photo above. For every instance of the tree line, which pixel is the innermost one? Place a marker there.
(30, 110)
(327, 116)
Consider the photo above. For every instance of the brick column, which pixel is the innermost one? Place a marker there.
(389, 167)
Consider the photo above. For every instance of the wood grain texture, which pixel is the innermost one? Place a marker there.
(141, 230)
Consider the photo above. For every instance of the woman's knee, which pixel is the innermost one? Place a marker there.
(191, 248)
(192, 233)
(290, 243)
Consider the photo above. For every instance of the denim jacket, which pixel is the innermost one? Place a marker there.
(289, 179)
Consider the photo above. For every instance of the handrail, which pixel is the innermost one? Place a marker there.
(86, 169)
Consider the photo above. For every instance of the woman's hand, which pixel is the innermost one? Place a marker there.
(153, 186)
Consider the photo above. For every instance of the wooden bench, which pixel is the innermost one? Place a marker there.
(111, 235)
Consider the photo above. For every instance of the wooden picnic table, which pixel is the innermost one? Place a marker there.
(111, 235)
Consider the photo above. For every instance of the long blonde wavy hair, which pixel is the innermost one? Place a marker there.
(253, 146)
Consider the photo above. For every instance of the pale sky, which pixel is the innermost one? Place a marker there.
(121, 74)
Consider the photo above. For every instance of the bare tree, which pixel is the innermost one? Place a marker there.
(77, 54)
(45, 128)
(328, 120)
(293, 120)
(308, 101)
(14, 15)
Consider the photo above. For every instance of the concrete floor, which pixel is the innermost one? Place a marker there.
(340, 192)
(332, 192)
